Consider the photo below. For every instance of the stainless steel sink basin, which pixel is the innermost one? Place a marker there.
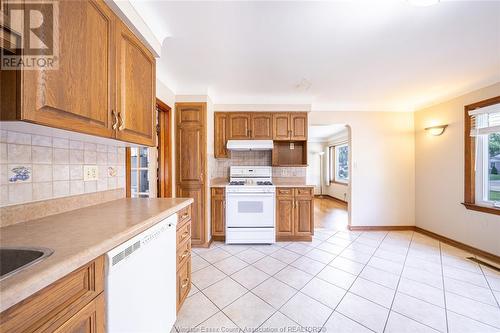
(14, 259)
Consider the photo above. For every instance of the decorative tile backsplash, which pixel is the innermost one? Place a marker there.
(35, 167)
(220, 167)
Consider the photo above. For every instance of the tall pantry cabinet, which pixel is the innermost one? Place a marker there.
(191, 163)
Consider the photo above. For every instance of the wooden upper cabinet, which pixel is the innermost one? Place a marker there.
(239, 126)
(135, 74)
(298, 126)
(220, 132)
(78, 95)
(103, 85)
(281, 126)
(261, 126)
(290, 126)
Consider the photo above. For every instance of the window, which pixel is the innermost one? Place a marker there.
(140, 172)
(339, 163)
(482, 156)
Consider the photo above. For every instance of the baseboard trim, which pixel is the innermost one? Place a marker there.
(490, 256)
(294, 238)
(204, 245)
(327, 196)
(381, 228)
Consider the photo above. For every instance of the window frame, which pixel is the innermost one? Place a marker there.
(333, 163)
(470, 160)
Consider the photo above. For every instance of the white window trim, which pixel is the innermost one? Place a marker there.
(482, 171)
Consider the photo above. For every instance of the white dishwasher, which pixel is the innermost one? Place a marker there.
(140, 281)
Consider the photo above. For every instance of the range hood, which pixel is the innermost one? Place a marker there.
(249, 145)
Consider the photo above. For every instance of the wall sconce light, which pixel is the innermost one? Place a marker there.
(436, 130)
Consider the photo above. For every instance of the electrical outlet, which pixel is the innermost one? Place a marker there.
(90, 173)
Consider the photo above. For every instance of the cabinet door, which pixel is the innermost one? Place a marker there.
(90, 319)
(190, 154)
(262, 128)
(218, 215)
(78, 95)
(197, 192)
(281, 126)
(284, 216)
(135, 84)
(239, 126)
(298, 123)
(220, 132)
(303, 216)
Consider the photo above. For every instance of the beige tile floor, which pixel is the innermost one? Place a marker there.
(341, 282)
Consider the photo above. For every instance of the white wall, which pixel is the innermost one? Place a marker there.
(440, 176)
(382, 165)
(313, 165)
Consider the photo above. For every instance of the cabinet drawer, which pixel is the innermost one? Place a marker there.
(284, 191)
(55, 304)
(218, 191)
(183, 233)
(183, 215)
(183, 282)
(304, 191)
(183, 252)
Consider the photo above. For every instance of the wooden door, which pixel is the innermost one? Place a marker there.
(197, 192)
(303, 216)
(218, 212)
(164, 146)
(298, 123)
(281, 126)
(220, 132)
(135, 84)
(90, 319)
(284, 216)
(78, 96)
(239, 126)
(261, 126)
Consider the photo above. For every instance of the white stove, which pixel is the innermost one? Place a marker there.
(250, 206)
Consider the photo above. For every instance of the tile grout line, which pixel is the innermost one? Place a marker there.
(444, 288)
(489, 285)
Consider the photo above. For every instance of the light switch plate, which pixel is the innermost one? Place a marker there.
(90, 173)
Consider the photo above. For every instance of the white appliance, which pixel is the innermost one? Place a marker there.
(249, 145)
(140, 281)
(250, 206)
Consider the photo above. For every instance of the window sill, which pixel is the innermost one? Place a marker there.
(484, 209)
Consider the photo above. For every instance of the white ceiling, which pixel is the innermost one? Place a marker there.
(321, 133)
(348, 55)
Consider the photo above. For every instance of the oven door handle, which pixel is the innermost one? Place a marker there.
(250, 194)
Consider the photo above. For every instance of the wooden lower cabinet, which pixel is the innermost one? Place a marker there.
(294, 214)
(183, 280)
(218, 213)
(74, 303)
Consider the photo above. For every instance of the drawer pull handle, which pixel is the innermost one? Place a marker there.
(184, 283)
(184, 215)
(185, 234)
(185, 254)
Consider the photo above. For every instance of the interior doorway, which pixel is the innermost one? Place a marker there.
(329, 170)
(149, 169)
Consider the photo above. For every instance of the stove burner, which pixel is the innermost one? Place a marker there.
(267, 182)
(237, 182)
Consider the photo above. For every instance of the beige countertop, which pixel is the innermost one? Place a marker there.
(77, 237)
(278, 181)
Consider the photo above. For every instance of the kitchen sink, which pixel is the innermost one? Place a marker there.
(14, 259)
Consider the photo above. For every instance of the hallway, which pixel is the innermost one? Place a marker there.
(330, 214)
